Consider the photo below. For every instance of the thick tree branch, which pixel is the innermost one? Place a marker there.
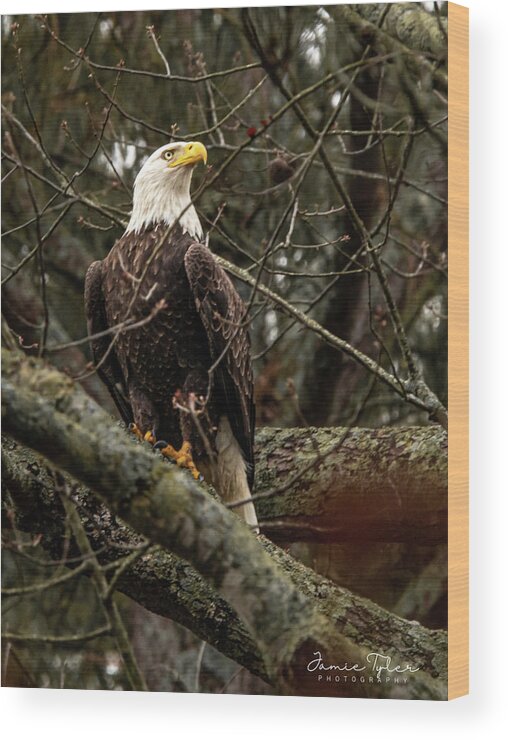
(43, 409)
(171, 587)
(411, 25)
(366, 485)
(407, 29)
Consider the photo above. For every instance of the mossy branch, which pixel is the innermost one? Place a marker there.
(275, 599)
(364, 485)
(407, 29)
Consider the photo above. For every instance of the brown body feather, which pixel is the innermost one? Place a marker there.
(199, 328)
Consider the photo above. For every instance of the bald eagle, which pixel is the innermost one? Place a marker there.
(176, 360)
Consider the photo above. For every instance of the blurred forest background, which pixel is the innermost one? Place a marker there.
(326, 128)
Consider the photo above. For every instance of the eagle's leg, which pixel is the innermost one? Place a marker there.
(193, 423)
(182, 457)
(146, 416)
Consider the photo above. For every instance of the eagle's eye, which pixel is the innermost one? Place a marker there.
(168, 154)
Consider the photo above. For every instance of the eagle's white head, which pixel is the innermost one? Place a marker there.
(162, 189)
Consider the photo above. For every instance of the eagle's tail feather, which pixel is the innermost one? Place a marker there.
(230, 477)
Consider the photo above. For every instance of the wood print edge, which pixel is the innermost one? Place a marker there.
(458, 312)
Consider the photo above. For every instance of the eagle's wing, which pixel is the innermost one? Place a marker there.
(104, 357)
(222, 310)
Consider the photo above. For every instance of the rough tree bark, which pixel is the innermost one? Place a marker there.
(275, 598)
(407, 29)
(411, 24)
(365, 485)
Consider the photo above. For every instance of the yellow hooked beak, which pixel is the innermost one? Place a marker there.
(193, 153)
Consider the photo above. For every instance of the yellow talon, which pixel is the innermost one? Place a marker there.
(182, 457)
(136, 430)
(147, 437)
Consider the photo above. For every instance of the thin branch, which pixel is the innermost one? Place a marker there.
(75, 639)
(118, 630)
(151, 33)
